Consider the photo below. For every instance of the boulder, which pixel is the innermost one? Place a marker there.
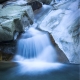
(2, 1)
(53, 20)
(35, 4)
(66, 32)
(14, 19)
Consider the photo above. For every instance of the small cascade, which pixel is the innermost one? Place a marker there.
(32, 47)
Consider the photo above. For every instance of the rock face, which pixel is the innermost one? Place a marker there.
(63, 23)
(52, 20)
(14, 19)
(35, 5)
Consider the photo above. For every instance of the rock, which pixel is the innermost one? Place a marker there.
(0, 56)
(67, 33)
(2, 1)
(14, 2)
(35, 5)
(63, 4)
(8, 47)
(70, 42)
(7, 30)
(52, 20)
(74, 31)
(16, 19)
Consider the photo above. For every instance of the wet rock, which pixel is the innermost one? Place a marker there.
(0, 56)
(2, 1)
(67, 33)
(8, 47)
(35, 5)
(51, 21)
(14, 2)
(16, 19)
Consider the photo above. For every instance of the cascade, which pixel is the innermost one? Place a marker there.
(35, 44)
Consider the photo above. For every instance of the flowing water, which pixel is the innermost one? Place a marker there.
(33, 46)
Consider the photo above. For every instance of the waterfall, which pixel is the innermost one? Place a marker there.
(34, 45)
(31, 47)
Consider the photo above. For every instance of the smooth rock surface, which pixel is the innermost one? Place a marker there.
(64, 26)
(16, 19)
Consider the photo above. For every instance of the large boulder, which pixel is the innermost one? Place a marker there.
(1, 1)
(64, 26)
(14, 19)
(52, 20)
(35, 5)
